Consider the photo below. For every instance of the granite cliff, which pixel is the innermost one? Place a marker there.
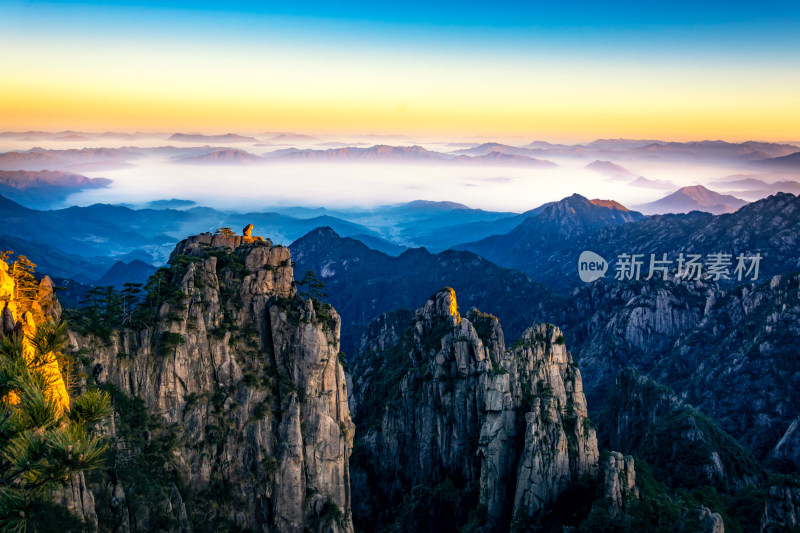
(457, 428)
(231, 402)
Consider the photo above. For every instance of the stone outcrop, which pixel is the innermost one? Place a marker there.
(619, 483)
(782, 508)
(788, 448)
(445, 404)
(700, 520)
(243, 383)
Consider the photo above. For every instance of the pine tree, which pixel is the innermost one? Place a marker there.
(225, 231)
(43, 445)
(26, 286)
(314, 287)
(130, 298)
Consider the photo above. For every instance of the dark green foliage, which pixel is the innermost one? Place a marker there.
(250, 380)
(314, 288)
(498, 370)
(170, 341)
(229, 260)
(527, 397)
(145, 464)
(261, 410)
(445, 506)
(323, 312)
(331, 513)
(432, 338)
(42, 445)
(560, 339)
(746, 508)
(384, 388)
(482, 322)
(657, 509)
(100, 314)
(682, 469)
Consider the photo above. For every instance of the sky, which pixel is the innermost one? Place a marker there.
(572, 70)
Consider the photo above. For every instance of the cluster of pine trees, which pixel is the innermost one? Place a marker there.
(26, 287)
(44, 441)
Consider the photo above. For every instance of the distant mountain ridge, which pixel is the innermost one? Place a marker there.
(547, 227)
(108, 231)
(405, 153)
(197, 137)
(694, 198)
(46, 186)
(612, 170)
(223, 157)
(363, 283)
(121, 273)
(788, 162)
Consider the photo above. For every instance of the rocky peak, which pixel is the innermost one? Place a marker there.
(230, 242)
(441, 305)
(447, 404)
(244, 376)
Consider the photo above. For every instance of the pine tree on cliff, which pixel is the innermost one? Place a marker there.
(43, 446)
(314, 287)
(27, 288)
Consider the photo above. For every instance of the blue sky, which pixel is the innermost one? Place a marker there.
(637, 68)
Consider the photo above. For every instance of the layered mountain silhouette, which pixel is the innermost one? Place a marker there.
(121, 273)
(787, 162)
(198, 138)
(362, 283)
(612, 170)
(223, 157)
(105, 233)
(84, 159)
(406, 153)
(694, 198)
(45, 187)
(546, 228)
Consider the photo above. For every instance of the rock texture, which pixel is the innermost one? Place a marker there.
(247, 395)
(782, 508)
(21, 315)
(684, 447)
(788, 448)
(445, 405)
(619, 482)
(700, 520)
(730, 352)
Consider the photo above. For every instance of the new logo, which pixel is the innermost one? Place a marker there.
(591, 266)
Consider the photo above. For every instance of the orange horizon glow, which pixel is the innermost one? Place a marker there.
(253, 80)
(55, 110)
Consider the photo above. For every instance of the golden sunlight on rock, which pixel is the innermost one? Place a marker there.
(14, 319)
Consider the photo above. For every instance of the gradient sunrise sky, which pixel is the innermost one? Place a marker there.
(560, 70)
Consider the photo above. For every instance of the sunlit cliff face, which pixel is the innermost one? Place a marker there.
(50, 368)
